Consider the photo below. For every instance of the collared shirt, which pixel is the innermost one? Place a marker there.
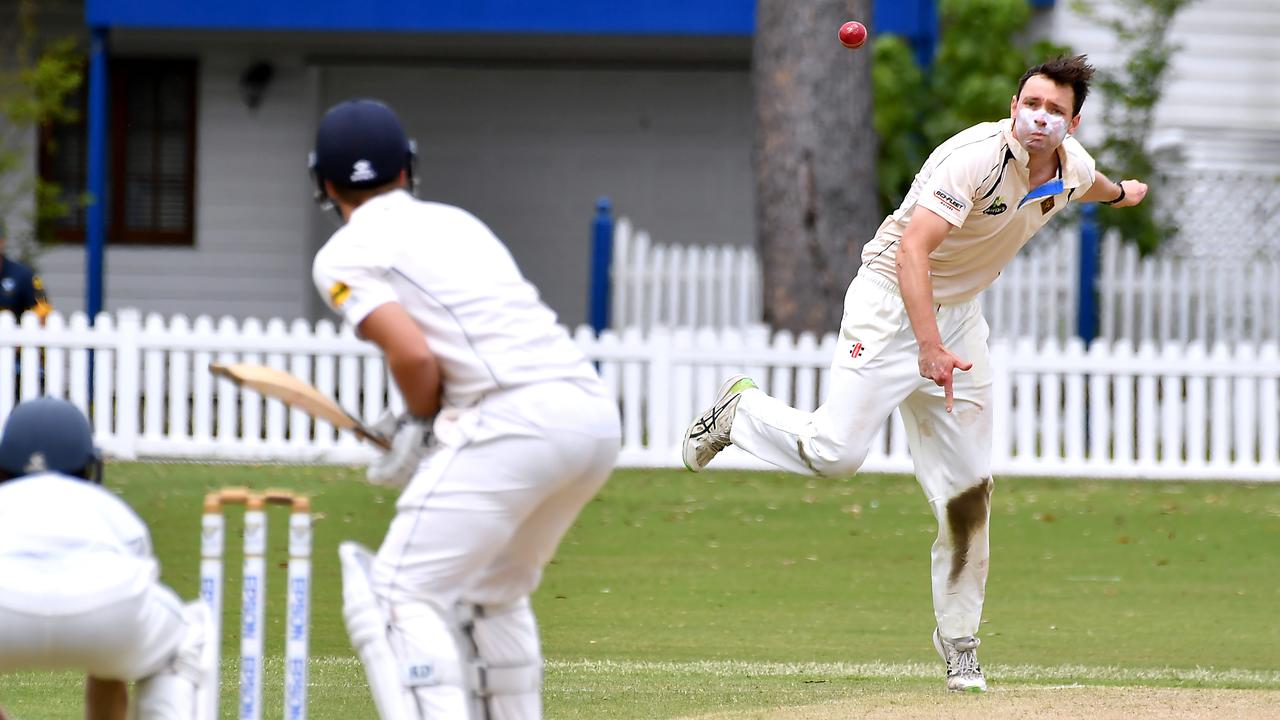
(21, 289)
(483, 321)
(978, 181)
(68, 545)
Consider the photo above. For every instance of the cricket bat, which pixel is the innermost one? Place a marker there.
(273, 383)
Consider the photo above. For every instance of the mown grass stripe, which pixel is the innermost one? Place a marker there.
(1011, 673)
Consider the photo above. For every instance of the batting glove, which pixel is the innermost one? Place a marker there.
(409, 443)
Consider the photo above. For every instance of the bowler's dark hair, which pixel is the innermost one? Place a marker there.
(1073, 71)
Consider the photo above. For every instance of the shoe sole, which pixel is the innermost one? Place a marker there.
(686, 447)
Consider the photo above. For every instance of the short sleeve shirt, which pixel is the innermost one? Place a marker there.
(482, 319)
(979, 183)
(68, 546)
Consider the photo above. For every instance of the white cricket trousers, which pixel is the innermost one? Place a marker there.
(874, 370)
(484, 514)
(126, 640)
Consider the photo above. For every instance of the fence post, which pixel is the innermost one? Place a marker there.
(128, 373)
(601, 263)
(1087, 316)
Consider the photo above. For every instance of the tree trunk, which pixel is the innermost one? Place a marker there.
(815, 158)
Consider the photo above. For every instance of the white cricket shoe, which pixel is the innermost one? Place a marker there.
(709, 434)
(964, 674)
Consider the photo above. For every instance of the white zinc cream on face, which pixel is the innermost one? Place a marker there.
(1055, 126)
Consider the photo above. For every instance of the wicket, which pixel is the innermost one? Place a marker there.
(254, 592)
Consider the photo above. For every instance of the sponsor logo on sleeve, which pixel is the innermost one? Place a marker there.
(950, 200)
(339, 293)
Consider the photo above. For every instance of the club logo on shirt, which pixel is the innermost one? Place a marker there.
(996, 208)
(1046, 205)
(362, 171)
(949, 200)
(339, 293)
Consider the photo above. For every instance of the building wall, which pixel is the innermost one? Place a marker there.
(528, 148)
(252, 205)
(527, 142)
(1221, 104)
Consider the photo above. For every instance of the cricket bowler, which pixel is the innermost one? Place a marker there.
(913, 336)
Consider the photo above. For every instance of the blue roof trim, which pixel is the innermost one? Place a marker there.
(571, 17)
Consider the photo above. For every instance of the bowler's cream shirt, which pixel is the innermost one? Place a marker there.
(978, 181)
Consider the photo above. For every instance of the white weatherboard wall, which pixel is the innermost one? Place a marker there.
(253, 211)
(529, 146)
(1221, 98)
(1155, 411)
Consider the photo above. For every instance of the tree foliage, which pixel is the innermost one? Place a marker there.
(975, 71)
(1132, 93)
(38, 81)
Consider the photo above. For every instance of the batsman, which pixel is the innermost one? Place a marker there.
(913, 336)
(508, 433)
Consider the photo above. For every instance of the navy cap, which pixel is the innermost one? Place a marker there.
(360, 144)
(47, 434)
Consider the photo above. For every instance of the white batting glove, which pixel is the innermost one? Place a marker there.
(410, 439)
(387, 424)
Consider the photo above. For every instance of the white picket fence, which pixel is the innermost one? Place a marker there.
(1187, 299)
(658, 284)
(1158, 298)
(1171, 411)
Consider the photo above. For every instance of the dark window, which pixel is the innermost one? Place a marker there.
(150, 156)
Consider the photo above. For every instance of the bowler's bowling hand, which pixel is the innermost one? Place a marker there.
(410, 438)
(938, 364)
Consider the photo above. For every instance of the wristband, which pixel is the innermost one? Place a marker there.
(1113, 202)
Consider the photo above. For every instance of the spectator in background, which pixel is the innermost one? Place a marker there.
(20, 288)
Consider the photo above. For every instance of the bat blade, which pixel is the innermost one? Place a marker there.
(273, 383)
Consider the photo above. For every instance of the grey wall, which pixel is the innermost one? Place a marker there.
(529, 146)
(252, 205)
(524, 131)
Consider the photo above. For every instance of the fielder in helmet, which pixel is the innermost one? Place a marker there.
(79, 585)
(509, 432)
(48, 435)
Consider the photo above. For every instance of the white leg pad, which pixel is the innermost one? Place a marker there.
(430, 647)
(510, 660)
(369, 630)
(412, 654)
(174, 693)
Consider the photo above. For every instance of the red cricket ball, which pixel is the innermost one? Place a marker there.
(853, 34)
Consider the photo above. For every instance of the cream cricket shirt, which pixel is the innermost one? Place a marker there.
(68, 546)
(978, 181)
(481, 318)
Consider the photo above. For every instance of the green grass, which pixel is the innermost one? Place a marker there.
(678, 593)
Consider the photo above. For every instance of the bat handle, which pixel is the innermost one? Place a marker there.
(374, 438)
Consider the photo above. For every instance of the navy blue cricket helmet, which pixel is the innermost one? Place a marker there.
(360, 144)
(48, 435)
